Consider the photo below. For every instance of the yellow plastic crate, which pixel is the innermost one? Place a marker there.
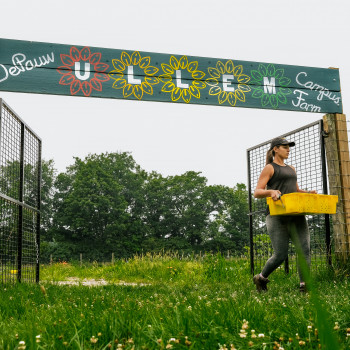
(303, 203)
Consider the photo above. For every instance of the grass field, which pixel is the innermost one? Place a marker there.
(160, 302)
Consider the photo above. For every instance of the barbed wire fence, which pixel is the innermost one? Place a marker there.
(20, 183)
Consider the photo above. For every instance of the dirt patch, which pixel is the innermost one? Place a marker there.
(74, 281)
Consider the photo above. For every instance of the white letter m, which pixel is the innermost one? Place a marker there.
(269, 86)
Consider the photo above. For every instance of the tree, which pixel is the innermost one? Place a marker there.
(176, 210)
(10, 186)
(106, 203)
(48, 176)
(229, 224)
(99, 204)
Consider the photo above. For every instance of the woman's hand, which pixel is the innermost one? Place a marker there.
(275, 195)
(305, 191)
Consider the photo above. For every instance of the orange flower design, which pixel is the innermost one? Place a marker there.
(83, 71)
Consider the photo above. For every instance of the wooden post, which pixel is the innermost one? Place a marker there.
(338, 163)
(81, 259)
(112, 258)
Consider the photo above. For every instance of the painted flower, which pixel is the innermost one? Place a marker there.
(222, 78)
(83, 71)
(134, 75)
(271, 86)
(182, 79)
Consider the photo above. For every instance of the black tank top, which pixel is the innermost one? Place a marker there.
(283, 179)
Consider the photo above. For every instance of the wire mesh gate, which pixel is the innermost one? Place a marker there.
(20, 183)
(308, 158)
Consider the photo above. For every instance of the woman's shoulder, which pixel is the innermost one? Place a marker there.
(291, 166)
(269, 168)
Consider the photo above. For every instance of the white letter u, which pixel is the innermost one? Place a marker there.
(86, 74)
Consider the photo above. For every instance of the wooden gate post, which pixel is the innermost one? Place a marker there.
(338, 163)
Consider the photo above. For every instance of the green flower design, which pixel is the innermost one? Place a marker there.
(271, 85)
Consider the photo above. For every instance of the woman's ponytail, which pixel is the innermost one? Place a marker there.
(269, 156)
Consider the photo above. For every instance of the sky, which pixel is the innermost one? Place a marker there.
(174, 138)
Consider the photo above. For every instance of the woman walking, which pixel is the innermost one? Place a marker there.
(277, 179)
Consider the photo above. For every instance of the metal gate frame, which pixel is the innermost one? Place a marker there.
(20, 196)
(257, 207)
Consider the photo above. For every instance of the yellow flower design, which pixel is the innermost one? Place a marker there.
(222, 76)
(134, 83)
(175, 82)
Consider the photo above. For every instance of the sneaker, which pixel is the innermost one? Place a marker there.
(260, 282)
(303, 288)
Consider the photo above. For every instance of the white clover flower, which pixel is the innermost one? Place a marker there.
(22, 345)
(261, 335)
(93, 340)
(222, 347)
(243, 333)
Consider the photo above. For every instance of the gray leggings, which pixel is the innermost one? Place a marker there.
(279, 229)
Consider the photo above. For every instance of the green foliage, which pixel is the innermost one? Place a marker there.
(98, 205)
(48, 174)
(107, 204)
(9, 179)
(322, 318)
(229, 226)
(219, 269)
(151, 301)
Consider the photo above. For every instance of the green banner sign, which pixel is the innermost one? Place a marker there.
(45, 68)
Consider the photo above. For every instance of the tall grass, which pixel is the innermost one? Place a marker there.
(202, 303)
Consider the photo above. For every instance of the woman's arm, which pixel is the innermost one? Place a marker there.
(260, 190)
(305, 191)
